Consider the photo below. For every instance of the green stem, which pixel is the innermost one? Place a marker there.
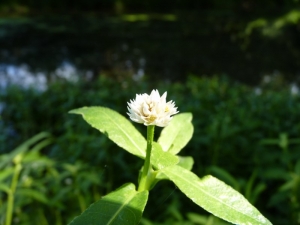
(146, 178)
(58, 217)
(10, 200)
(81, 201)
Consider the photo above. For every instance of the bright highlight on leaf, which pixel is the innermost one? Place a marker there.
(116, 127)
(216, 197)
(161, 159)
(177, 134)
(123, 206)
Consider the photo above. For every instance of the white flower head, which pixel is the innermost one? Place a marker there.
(151, 109)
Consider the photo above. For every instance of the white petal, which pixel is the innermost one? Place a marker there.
(151, 109)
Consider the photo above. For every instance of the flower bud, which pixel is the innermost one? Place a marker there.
(151, 109)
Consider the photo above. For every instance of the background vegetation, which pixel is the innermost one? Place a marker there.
(245, 39)
(248, 139)
(244, 96)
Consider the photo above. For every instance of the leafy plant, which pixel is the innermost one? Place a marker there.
(11, 166)
(231, 120)
(289, 174)
(126, 204)
(249, 188)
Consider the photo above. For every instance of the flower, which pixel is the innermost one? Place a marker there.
(151, 109)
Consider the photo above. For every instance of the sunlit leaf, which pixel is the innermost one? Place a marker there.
(177, 134)
(186, 162)
(225, 176)
(169, 159)
(161, 159)
(123, 206)
(216, 197)
(116, 127)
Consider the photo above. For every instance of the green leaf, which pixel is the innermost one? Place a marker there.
(225, 176)
(196, 218)
(31, 193)
(6, 173)
(186, 162)
(161, 159)
(7, 158)
(123, 206)
(203, 219)
(116, 127)
(177, 134)
(215, 196)
(260, 187)
(5, 188)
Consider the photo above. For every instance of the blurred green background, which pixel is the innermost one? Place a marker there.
(234, 64)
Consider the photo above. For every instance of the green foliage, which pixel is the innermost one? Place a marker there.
(176, 135)
(209, 192)
(275, 27)
(230, 122)
(161, 159)
(215, 196)
(123, 206)
(36, 190)
(12, 164)
(289, 173)
(252, 35)
(247, 187)
(200, 219)
(116, 128)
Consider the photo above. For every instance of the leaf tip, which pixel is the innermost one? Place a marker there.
(76, 111)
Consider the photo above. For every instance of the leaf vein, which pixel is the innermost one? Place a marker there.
(212, 196)
(141, 151)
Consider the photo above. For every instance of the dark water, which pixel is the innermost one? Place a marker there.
(168, 47)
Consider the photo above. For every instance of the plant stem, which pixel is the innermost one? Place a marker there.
(58, 217)
(10, 201)
(146, 178)
(81, 201)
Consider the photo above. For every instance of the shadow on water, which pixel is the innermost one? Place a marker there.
(168, 47)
